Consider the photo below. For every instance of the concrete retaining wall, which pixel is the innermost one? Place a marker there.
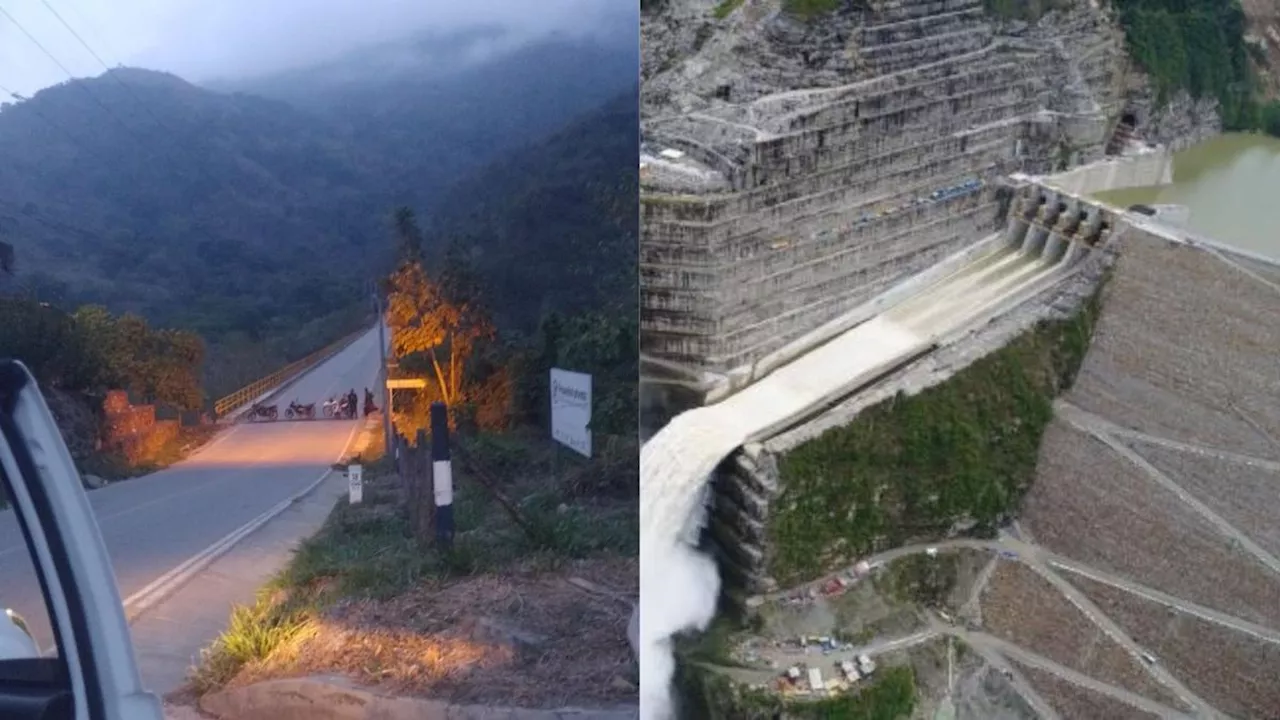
(1144, 170)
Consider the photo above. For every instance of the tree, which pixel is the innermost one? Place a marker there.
(46, 340)
(156, 365)
(408, 235)
(424, 322)
(173, 375)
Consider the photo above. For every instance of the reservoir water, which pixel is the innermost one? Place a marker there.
(1231, 184)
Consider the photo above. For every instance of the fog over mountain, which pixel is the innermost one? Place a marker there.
(229, 39)
(255, 206)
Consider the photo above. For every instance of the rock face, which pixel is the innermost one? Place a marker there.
(792, 169)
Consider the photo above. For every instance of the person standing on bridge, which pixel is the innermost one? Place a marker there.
(369, 407)
(352, 403)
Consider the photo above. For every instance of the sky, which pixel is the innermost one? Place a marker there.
(203, 40)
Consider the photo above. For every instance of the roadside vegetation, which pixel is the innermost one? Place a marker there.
(529, 606)
(915, 467)
(365, 598)
(77, 357)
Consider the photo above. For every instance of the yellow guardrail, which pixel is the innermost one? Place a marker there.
(254, 390)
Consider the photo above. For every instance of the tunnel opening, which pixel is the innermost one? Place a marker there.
(1126, 132)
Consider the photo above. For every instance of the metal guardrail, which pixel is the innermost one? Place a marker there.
(254, 390)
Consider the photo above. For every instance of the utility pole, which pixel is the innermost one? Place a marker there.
(382, 371)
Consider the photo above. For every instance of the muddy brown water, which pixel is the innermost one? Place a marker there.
(1231, 184)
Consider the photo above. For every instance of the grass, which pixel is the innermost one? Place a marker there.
(366, 553)
(913, 467)
(921, 579)
(726, 8)
(808, 9)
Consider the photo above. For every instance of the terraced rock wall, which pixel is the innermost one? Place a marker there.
(834, 176)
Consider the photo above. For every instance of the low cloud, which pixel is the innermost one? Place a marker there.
(202, 40)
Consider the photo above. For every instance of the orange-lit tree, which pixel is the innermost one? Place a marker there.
(439, 321)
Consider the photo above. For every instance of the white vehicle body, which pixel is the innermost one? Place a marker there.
(93, 675)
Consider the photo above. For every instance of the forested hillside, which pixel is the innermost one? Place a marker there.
(554, 226)
(260, 223)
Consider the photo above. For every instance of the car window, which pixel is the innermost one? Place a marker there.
(22, 599)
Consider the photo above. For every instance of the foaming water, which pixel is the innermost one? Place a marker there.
(679, 586)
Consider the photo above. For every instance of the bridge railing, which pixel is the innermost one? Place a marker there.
(256, 389)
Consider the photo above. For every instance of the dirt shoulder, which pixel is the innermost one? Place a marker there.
(502, 619)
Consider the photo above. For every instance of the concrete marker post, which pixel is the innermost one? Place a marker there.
(355, 484)
(442, 474)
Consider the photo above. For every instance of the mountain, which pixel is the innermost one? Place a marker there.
(251, 219)
(558, 221)
(143, 192)
(443, 114)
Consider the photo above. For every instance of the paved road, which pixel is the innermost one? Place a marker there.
(154, 523)
(1044, 563)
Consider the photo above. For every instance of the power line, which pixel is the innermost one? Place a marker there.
(71, 30)
(194, 227)
(69, 74)
(103, 63)
(45, 118)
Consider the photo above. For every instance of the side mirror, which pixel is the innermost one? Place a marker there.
(15, 645)
(18, 620)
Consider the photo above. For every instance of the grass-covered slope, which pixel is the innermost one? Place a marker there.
(913, 467)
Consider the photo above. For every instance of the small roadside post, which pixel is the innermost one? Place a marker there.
(442, 474)
(355, 484)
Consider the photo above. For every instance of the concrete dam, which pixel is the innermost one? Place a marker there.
(768, 213)
(1049, 237)
(832, 211)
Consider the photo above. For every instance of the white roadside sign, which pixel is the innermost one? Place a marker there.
(571, 410)
(355, 484)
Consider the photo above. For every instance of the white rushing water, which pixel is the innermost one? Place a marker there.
(679, 586)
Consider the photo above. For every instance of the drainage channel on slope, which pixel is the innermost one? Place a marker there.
(679, 587)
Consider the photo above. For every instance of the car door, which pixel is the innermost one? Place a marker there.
(90, 672)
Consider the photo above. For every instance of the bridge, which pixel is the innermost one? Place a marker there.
(189, 541)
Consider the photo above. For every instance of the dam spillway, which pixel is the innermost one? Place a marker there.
(1045, 237)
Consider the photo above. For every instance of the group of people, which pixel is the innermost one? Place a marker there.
(349, 403)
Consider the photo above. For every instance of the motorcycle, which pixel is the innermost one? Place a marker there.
(266, 412)
(332, 407)
(298, 410)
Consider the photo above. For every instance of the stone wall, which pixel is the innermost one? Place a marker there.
(1142, 170)
(133, 430)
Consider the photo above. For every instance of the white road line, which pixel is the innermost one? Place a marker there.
(162, 586)
(166, 584)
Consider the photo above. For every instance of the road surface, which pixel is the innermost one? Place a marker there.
(155, 523)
